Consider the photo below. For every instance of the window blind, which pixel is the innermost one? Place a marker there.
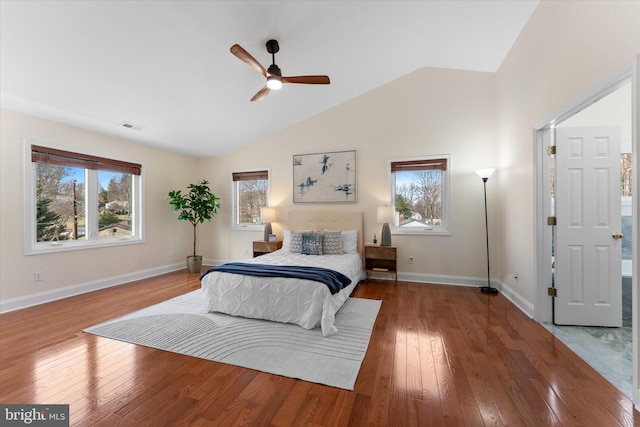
(57, 157)
(419, 165)
(250, 176)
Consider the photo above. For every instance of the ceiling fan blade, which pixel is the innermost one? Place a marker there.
(310, 80)
(245, 56)
(262, 94)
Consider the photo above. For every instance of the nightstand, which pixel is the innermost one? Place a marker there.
(381, 259)
(260, 247)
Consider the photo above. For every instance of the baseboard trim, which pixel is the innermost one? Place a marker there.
(438, 279)
(82, 288)
(518, 300)
(525, 306)
(49, 296)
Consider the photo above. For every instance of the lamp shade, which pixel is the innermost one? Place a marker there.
(485, 173)
(267, 215)
(386, 214)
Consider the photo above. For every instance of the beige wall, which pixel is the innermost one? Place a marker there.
(429, 112)
(565, 48)
(481, 119)
(162, 172)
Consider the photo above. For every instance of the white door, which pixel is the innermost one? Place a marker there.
(588, 245)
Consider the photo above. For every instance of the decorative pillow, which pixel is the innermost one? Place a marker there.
(295, 242)
(311, 244)
(349, 241)
(332, 242)
(295, 237)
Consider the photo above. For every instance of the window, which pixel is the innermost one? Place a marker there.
(625, 175)
(419, 188)
(79, 201)
(250, 193)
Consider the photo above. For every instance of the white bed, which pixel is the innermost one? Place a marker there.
(306, 303)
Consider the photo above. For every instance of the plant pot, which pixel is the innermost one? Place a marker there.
(194, 263)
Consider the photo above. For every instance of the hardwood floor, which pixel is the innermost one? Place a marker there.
(439, 355)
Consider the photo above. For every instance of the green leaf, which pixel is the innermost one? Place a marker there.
(198, 205)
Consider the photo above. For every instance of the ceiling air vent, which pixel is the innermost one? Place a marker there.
(129, 125)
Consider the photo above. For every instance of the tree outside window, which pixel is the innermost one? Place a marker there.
(79, 200)
(250, 193)
(625, 175)
(420, 193)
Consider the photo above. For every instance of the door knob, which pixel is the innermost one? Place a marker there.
(617, 235)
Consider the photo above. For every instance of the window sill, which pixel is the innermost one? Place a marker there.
(420, 232)
(70, 245)
(247, 227)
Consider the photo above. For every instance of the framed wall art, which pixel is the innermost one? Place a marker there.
(325, 177)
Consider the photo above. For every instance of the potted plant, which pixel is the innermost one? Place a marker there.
(197, 205)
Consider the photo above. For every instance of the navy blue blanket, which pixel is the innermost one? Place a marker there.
(334, 280)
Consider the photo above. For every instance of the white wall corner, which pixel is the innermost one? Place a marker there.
(518, 300)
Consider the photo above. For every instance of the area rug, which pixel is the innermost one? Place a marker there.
(181, 325)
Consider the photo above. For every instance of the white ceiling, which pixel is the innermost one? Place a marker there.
(165, 66)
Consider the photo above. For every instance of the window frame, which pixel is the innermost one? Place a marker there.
(33, 247)
(445, 198)
(234, 215)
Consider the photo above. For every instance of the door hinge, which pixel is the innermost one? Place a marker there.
(551, 150)
(552, 292)
(551, 220)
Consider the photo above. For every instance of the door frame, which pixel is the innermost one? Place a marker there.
(542, 203)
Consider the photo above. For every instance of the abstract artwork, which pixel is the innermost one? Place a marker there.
(324, 177)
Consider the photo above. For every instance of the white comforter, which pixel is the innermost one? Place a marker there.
(303, 302)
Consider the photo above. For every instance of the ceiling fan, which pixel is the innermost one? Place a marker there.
(274, 76)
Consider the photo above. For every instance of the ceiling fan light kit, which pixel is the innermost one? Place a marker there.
(274, 77)
(274, 82)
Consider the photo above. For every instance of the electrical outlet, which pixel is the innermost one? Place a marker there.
(37, 276)
(411, 259)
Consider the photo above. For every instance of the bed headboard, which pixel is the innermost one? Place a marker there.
(330, 220)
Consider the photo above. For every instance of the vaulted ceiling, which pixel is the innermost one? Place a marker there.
(165, 66)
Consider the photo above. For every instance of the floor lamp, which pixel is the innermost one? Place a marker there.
(485, 174)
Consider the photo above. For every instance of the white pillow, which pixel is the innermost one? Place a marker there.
(350, 241)
(286, 240)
